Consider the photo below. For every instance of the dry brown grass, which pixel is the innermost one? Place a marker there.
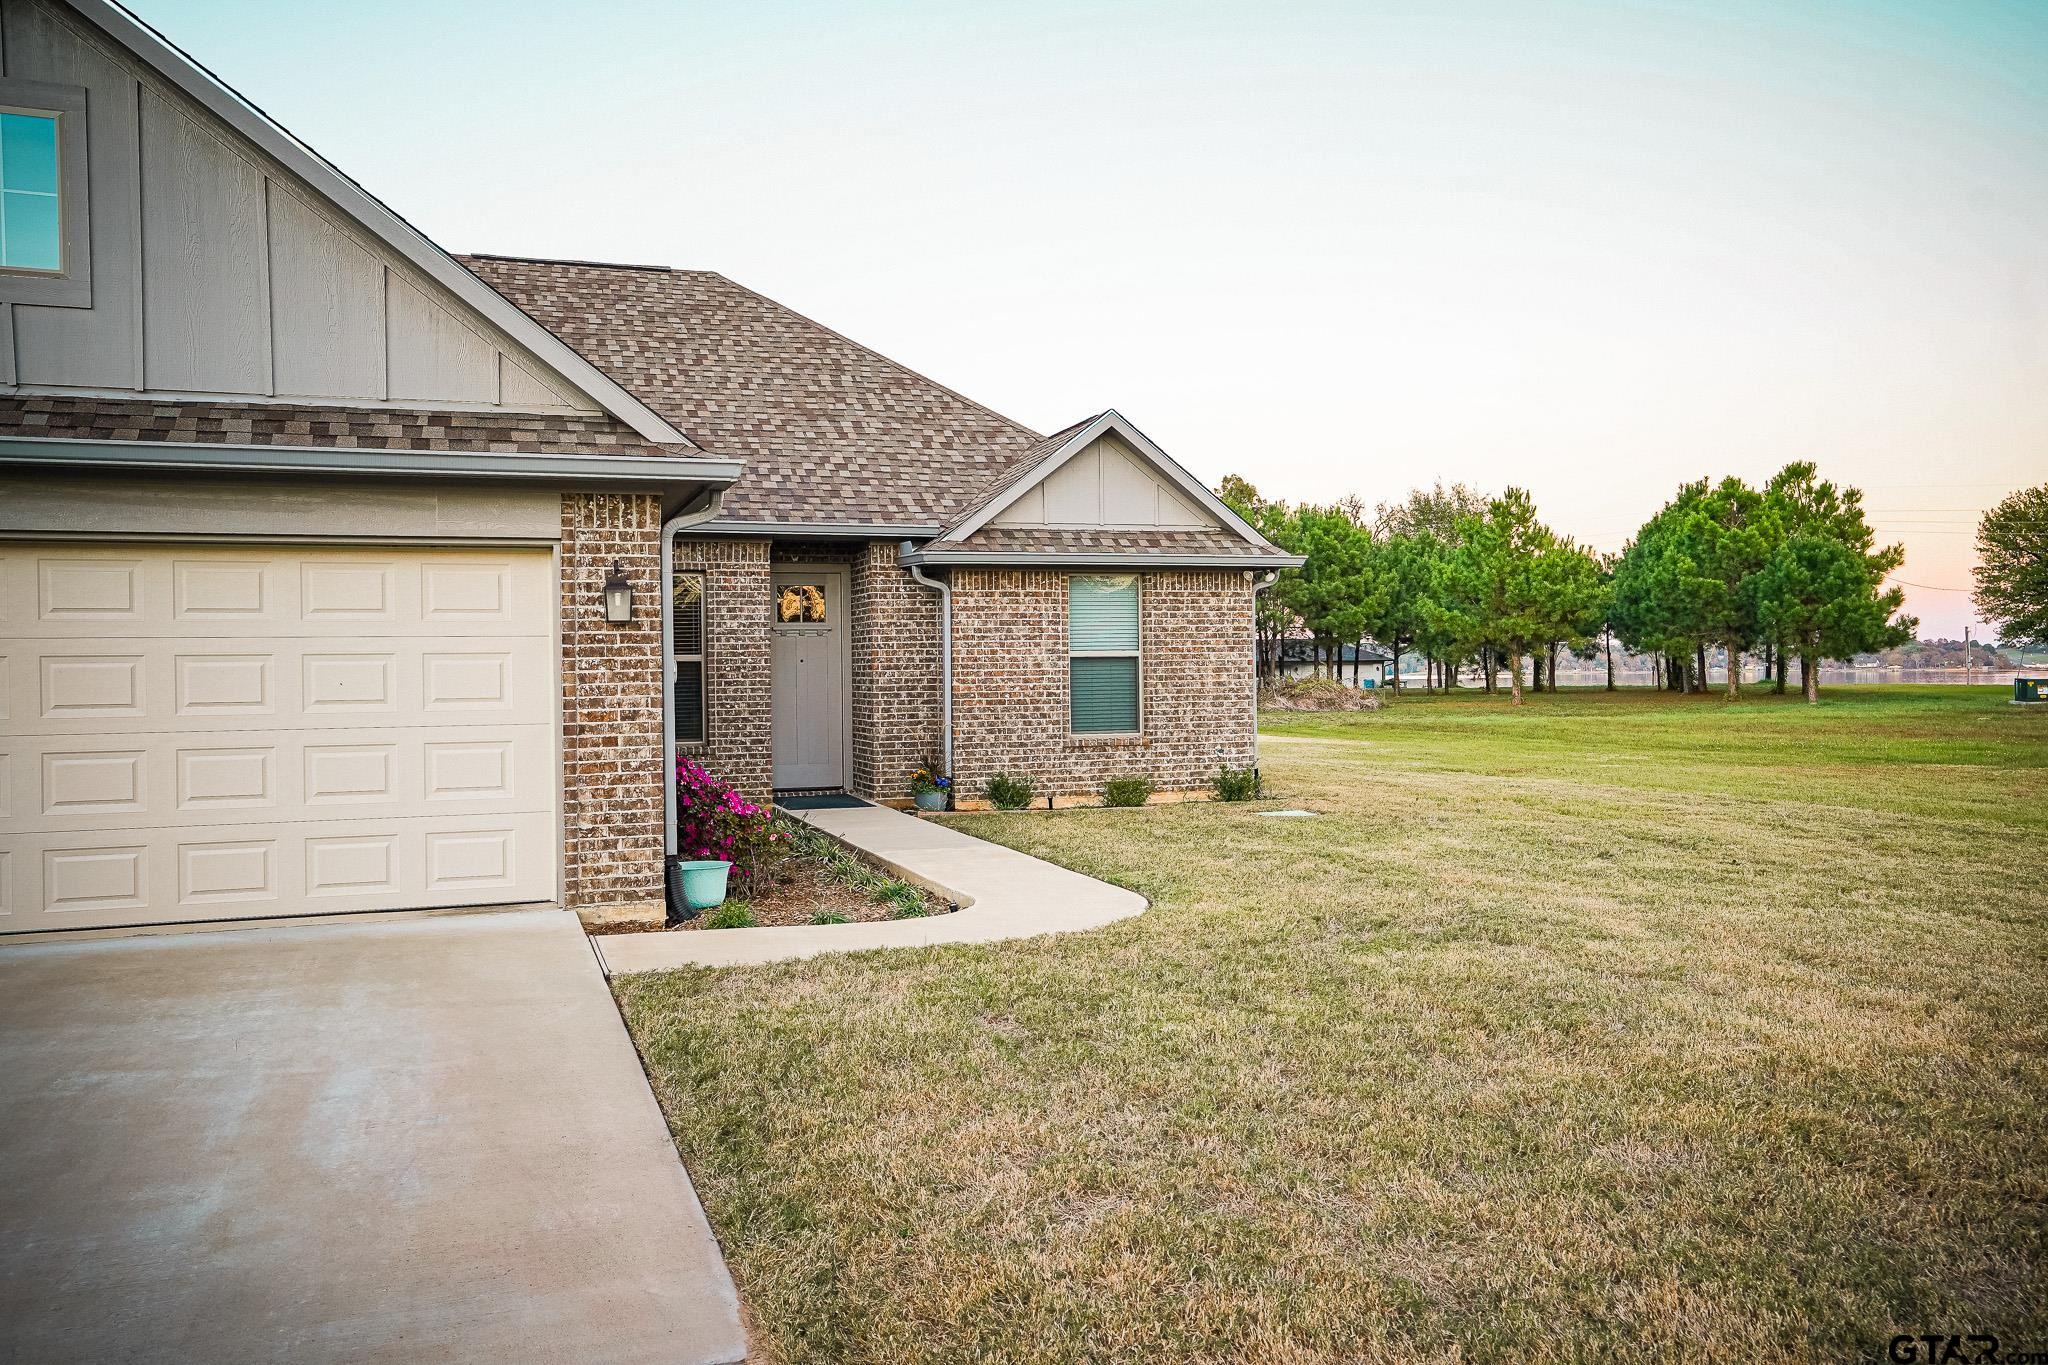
(1631, 1027)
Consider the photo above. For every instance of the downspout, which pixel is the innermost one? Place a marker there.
(664, 603)
(1260, 582)
(945, 592)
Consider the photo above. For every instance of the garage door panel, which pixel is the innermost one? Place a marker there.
(238, 682)
(62, 881)
(190, 732)
(101, 782)
(85, 592)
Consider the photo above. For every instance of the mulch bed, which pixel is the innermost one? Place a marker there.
(803, 886)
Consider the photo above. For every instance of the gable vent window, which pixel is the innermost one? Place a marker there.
(45, 245)
(1103, 662)
(687, 605)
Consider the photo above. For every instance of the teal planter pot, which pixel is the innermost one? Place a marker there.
(931, 800)
(704, 883)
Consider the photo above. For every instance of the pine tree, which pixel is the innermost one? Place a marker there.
(1722, 541)
(1821, 589)
(1495, 583)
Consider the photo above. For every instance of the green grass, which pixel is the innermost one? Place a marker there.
(1616, 1027)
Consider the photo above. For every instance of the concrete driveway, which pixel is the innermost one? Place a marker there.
(419, 1139)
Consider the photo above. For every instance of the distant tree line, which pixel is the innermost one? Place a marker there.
(1787, 571)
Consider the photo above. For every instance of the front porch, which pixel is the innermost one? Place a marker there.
(804, 664)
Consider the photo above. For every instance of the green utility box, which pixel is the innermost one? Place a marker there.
(2026, 691)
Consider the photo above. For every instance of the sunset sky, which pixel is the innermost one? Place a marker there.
(1592, 249)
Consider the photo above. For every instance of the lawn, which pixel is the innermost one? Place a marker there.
(1619, 1026)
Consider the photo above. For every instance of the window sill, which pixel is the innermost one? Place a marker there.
(1132, 740)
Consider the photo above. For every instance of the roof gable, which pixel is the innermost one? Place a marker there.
(1104, 484)
(301, 285)
(1100, 474)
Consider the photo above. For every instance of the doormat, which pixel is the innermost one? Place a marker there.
(819, 801)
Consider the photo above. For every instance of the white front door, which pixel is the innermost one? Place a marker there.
(197, 732)
(808, 620)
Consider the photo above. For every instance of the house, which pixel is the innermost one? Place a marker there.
(338, 573)
(1301, 657)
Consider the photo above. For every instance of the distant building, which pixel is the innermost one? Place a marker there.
(1365, 665)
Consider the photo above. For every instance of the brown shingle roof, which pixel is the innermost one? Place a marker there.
(285, 424)
(830, 431)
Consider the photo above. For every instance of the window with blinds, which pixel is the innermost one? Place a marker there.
(686, 609)
(1102, 647)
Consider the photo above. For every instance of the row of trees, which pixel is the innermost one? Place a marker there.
(1460, 578)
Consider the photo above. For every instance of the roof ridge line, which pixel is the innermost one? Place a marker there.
(570, 260)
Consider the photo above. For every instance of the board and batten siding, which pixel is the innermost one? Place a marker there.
(1107, 484)
(216, 272)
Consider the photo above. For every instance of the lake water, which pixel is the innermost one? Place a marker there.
(1831, 675)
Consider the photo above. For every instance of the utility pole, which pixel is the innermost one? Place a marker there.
(1969, 673)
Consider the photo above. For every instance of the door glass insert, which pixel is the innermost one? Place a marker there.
(803, 602)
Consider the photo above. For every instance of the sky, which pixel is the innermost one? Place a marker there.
(1591, 249)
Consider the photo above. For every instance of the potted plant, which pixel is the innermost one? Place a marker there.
(717, 831)
(697, 884)
(931, 788)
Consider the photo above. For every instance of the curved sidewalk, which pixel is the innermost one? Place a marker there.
(1002, 894)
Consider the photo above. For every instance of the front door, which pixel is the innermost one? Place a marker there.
(808, 620)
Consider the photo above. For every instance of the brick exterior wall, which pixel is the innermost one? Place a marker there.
(1010, 674)
(896, 676)
(738, 744)
(611, 705)
(1010, 683)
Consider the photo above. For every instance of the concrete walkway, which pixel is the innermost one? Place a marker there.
(1002, 894)
(422, 1139)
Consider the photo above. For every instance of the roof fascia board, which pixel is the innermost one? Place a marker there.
(590, 471)
(821, 530)
(1188, 483)
(168, 60)
(935, 556)
(1111, 420)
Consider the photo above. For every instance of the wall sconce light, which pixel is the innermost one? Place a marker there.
(618, 596)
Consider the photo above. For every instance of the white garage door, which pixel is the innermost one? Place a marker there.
(212, 732)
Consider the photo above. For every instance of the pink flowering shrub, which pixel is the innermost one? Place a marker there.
(714, 821)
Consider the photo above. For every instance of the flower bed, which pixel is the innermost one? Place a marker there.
(814, 880)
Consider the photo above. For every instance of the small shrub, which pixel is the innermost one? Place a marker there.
(1237, 784)
(905, 901)
(731, 915)
(1010, 793)
(830, 917)
(1127, 791)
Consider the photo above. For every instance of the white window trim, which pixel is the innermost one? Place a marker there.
(1138, 581)
(70, 287)
(680, 658)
